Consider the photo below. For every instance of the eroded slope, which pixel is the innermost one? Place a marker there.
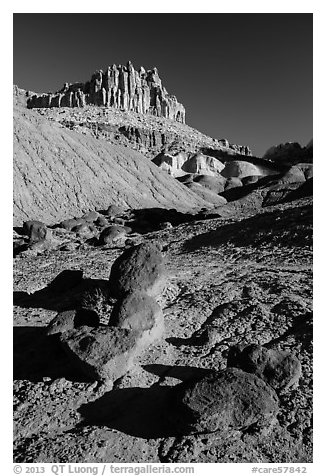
(58, 173)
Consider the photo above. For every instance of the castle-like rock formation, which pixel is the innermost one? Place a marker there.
(120, 87)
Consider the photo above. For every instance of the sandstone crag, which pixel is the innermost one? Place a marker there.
(120, 87)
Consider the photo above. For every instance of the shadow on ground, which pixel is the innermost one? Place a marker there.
(291, 227)
(139, 412)
(57, 298)
(180, 372)
(36, 356)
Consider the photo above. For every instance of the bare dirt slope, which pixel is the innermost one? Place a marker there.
(59, 173)
(246, 279)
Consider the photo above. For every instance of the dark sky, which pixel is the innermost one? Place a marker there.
(244, 77)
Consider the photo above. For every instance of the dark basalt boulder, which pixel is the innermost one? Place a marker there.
(136, 311)
(227, 400)
(82, 229)
(278, 368)
(113, 211)
(102, 222)
(27, 225)
(36, 231)
(90, 216)
(72, 319)
(111, 233)
(103, 353)
(140, 268)
(69, 224)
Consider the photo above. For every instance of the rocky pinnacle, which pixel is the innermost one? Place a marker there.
(120, 87)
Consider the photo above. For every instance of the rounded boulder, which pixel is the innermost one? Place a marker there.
(140, 268)
(136, 311)
(225, 400)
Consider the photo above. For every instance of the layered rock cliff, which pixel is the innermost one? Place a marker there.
(121, 87)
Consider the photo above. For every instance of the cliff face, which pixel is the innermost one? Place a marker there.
(120, 87)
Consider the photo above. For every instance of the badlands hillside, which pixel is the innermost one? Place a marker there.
(162, 283)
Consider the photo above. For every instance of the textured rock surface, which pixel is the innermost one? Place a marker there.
(279, 369)
(27, 226)
(143, 132)
(104, 353)
(237, 280)
(111, 233)
(120, 87)
(136, 311)
(230, 399)
(255, 267)
(140, 268)
(68, 320)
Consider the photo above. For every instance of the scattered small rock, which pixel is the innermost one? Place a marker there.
(69, 224)
(111, 234)
(118, 221)
(82, 229)
(70, 246)
(113, 211)
(165, 225)
(37, 231)
(102, 222)
(27, 225)
(90, 216)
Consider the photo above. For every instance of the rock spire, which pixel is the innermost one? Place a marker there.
(120, 87)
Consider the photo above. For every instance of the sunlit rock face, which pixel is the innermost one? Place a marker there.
(120, 87)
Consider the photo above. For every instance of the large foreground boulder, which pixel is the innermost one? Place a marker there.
(226, 400)
(140, 268)
(103, 353)
(280, 369)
